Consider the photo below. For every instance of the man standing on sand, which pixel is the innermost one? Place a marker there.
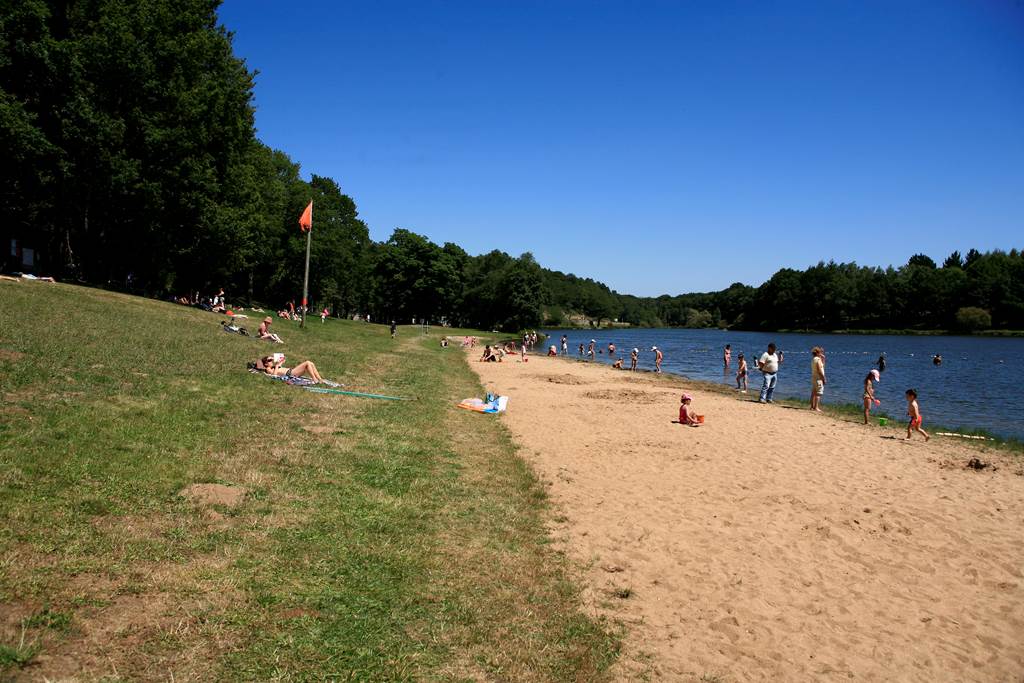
(565, 345)
(633, 355)
(768, 364)
(657, 358)
(817, 377)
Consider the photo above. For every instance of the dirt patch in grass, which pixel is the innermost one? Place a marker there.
(214, 494)
(152, 621)
(319, 428)
(10, 356)
(9, 411)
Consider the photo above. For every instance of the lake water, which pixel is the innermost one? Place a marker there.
(980, 383)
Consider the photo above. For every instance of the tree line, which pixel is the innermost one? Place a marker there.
(131, 157)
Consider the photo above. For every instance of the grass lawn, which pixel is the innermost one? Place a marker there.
(167, 514)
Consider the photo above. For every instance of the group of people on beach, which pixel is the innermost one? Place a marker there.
(772, 358)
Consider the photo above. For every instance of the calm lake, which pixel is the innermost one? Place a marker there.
(978, 385)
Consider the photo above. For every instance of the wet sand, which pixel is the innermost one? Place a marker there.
(772, 543)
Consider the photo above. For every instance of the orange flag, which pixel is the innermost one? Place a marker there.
(306, 219)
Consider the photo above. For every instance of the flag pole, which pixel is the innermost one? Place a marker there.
(305, 279)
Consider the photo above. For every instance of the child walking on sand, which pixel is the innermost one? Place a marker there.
(741, 374)
(686, 416)
(914, 411)
(869, 393)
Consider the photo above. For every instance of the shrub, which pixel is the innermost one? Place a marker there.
(972, 318)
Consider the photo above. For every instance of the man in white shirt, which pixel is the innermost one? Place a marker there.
(768, 364)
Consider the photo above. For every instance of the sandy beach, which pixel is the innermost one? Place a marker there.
(772, 543)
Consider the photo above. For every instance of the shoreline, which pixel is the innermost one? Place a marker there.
(834, 410)
(772, 542)
(881, 332)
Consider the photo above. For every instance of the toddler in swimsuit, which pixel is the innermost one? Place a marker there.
(914, 411)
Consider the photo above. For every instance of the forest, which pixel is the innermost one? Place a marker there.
(132, 162)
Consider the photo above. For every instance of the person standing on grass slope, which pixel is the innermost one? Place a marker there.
(394, 329)
(817, 377)
(768, 364)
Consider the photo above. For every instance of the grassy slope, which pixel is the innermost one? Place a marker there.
(375, 540)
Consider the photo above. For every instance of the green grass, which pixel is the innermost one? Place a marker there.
(375, 540)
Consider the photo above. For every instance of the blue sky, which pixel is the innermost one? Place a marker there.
(660, 147)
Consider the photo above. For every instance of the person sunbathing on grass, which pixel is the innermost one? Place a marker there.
(264, 331)
(275, 367)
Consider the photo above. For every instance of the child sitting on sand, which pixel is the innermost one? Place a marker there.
(617, 364)
(686, 415)
(869, 393)
(914, 411)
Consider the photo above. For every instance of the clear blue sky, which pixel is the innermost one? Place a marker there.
(660, 147)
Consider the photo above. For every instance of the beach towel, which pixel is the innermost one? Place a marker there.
(294, 381)
(358, 394)
(496, 404)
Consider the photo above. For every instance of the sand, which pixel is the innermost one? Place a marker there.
(772, 543)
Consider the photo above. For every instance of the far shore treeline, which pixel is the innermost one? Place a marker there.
(131, 160)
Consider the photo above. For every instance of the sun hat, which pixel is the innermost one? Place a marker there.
(654, 348)
(687, 397)
(636, 350)
(874, 373)
(268, 319)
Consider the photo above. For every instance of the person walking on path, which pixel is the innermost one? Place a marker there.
(768, 364)
(817, 377)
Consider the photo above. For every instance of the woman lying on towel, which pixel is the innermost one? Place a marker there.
(275, 366)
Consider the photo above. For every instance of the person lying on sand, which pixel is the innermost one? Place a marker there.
(274, 365)
(686, 415)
